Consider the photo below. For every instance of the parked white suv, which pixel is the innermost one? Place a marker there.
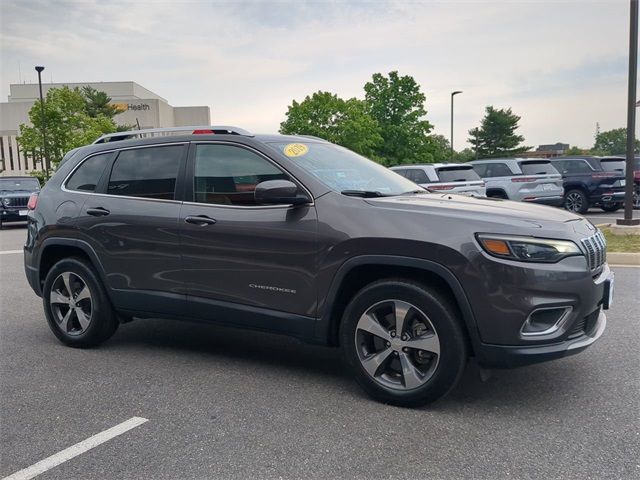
(533, 180)
(445, 177)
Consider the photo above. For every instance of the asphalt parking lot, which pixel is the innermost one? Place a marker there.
(223, 403)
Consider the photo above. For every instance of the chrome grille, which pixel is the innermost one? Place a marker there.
(595, 249)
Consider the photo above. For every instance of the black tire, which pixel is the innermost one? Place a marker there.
(102, 323)
(611, 207)
(443, 317)
(576, 201)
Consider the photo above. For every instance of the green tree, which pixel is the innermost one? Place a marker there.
(465, 155)
(68, 125)
(397, 104)
(345, 122)
(496, 136)
(577, 151)
(613, 142)
(438, 147)
(98, 103)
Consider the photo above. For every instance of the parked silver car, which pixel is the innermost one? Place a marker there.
(446, 177)
(523, 179)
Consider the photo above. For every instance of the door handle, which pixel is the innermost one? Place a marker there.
(98, 212)
(201, 220)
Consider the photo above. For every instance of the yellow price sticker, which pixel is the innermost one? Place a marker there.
(295, 149)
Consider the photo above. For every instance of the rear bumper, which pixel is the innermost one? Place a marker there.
(504, 356)
(555, 201)
(608, 198)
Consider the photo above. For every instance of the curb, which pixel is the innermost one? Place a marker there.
(620, 258)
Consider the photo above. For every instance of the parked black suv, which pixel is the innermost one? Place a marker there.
(587, 184)
(14, 196)
(296, 235)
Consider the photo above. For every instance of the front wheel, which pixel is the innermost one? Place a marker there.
(403, 341)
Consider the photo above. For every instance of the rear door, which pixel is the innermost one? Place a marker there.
(131, 222)
(236, 252)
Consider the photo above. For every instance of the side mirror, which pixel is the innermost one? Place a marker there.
(279, 192)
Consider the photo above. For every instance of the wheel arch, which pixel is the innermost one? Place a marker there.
(360, 271)
(497, 193)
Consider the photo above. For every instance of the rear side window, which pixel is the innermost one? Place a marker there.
(402, 172)
(457, 174)
(146, 172)
(538, 168)
(228, 175)
(87, 175)
(417, 175)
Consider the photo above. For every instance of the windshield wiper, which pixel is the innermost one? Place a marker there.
(415, 192)
(363, 193)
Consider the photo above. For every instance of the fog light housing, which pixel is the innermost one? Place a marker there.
(545, 321)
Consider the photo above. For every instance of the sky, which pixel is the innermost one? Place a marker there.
(560, 65)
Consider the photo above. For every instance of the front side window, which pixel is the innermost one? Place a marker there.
(87, 175)
(343, 170)
(228, 175)
(146, 172)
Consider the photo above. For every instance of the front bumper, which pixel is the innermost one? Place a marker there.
(13, 214)
(503, 356)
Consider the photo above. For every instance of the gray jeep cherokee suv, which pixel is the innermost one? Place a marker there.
(295, 235)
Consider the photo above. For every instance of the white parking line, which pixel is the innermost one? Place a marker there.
(9, 252)
(75, 450)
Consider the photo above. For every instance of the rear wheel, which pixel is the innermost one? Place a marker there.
(403, 342)
(576, 201)
(76, 305)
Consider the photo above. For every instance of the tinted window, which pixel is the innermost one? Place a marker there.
(146, 172)
(613, 165)
(538, 168)
(418, 175)
(498, 170)
(480, 169)
(402, 172)
(228, 175)
(573, 166)
(457, 174)
(87, 175)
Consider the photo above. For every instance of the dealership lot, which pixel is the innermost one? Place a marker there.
(223, 403)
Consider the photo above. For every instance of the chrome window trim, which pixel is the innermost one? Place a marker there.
(115, 149)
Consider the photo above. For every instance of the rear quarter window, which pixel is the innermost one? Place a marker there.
(87, 175)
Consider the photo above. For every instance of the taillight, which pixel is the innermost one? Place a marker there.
(203, 132)
(440, 187)
(524, 179)
(603, 175)
(33, 201)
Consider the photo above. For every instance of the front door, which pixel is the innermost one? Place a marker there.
(235, 252)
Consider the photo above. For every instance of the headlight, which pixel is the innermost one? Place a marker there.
(527, 249)
(6, 202)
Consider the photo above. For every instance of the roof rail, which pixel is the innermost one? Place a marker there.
(313, 137)
(152, 132)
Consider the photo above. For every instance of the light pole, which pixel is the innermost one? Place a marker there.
(453, 94)
(45, 159)
(631, 117)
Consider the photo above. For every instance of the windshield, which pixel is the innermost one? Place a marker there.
(538, 168)
(18, 184)
(613, 165)
(343, 170)
(457, 174)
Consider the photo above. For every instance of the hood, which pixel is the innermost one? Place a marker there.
(479, 208)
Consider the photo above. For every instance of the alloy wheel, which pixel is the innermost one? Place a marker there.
(574, 202)
(71, 303)
(397, 345)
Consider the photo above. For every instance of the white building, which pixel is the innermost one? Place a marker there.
(139, 106)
